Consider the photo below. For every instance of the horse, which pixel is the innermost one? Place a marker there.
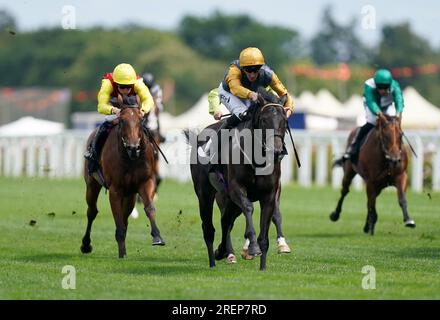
(382, 162)
(243, 185)
(127, 161)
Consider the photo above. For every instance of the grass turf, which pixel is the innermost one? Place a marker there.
(326, 262)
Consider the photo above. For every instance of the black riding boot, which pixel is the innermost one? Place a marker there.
(353, 148)
(92, 153)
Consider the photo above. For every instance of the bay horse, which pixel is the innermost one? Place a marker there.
(243, 185)
(127, 162)
(382, 162)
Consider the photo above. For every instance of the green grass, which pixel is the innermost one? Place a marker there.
(326, 261)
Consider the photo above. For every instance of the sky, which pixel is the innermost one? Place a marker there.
(303, 16)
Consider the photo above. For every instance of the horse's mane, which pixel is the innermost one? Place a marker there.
(130, 101)
(268, 96)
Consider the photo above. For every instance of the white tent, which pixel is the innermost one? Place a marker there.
(196, 117)
(355, 107)
(305, 101)
(322, 112)
(418, 112)
(323, 104)
(30, 126)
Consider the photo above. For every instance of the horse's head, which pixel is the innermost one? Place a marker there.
(390, 138)
(270, 116)
(130, 125)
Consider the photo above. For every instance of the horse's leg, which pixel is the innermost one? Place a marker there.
(206, 202)
(238, 195)
(230, 211)
(282, 245)
(146, 192)
(92, 193)
(268, 205)
(116, 201)
(371, 220)
(401, 185)
(128, 204)
(349, 174)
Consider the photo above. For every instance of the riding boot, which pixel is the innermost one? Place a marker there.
(353, 149)
(92, 153)
(229, 124)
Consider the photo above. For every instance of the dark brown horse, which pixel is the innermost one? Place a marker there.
(243, 185)
(382, 162)
(127, 162)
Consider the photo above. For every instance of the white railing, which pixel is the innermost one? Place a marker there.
(61, 156)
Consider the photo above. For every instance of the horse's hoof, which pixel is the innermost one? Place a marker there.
(231, 259)
(410, 224)
(366, 229)
(157, 241)
(283, 248)
(86, 249)
(334, 216)
(254, 250)
(245, 255)
(219, 255)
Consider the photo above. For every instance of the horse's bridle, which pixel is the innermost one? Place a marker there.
(277, 132)
(125, 143)
(382, 144)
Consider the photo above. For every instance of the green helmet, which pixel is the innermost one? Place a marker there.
(383, 78)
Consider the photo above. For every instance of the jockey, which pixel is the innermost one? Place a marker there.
(238, 89)
(123, 81)
(156, 92)
(239, 86)
(382, 95)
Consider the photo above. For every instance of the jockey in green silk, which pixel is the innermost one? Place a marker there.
(382, 95)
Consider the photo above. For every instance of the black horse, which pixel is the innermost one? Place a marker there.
(244, 182)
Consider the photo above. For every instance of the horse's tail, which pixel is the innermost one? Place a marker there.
(338, 162)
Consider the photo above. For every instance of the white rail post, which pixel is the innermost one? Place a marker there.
(31, 162)
(337, 172)
(305, 172)
(287, 164)
(321, 164)
(18, 159)
(436, 168)
(417, 166)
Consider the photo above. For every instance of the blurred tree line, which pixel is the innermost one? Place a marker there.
(194, 58)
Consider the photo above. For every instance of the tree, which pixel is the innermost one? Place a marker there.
(7, 21)
(337, 43)
(401, 47)
(222, 37)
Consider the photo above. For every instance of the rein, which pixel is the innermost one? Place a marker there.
(282, 136)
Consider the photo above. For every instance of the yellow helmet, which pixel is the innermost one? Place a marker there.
(251, 57)
(124, 74)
